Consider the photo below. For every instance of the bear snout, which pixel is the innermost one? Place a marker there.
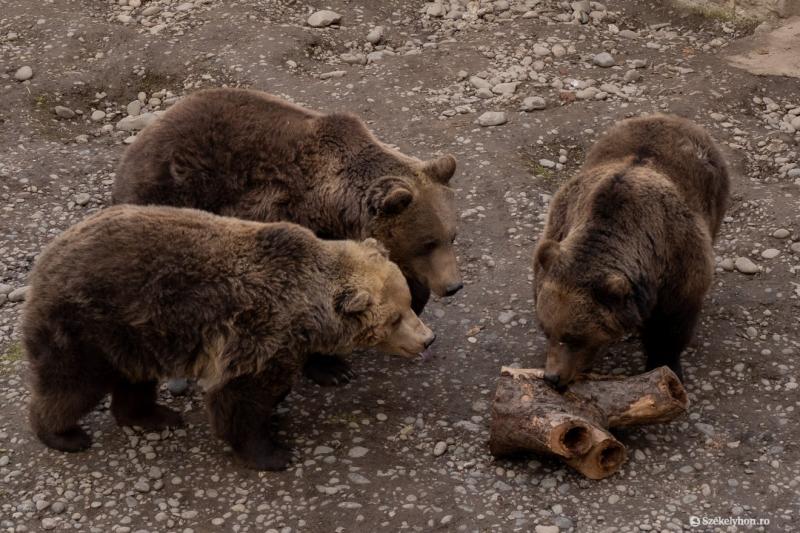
(453, 288)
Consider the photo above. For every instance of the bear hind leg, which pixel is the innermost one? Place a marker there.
(54, 416)
(240, 413)
(134, 404)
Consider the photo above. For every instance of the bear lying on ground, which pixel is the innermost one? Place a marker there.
(133, 295)
(250, 155)
(628, 245)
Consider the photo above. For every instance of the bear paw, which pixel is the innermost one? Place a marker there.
(73, 439)
(265, 457)
(158, 418)
(328, 370)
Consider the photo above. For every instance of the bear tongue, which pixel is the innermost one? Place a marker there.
(425, 354)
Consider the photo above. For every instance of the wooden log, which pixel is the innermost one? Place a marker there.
(654, 397)
(604, 458)
(529, 415)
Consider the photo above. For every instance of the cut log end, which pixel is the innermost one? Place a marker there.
(528, 415)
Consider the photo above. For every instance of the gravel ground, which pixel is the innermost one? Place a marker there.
(517, 90)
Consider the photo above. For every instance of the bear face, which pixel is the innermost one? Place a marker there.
(377, 302)
(580, 316)
(415, 218)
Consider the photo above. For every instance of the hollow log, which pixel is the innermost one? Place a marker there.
(530, 416)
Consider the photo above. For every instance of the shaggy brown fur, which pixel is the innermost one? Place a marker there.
(628, 245)
(137, 294)
(251, 155)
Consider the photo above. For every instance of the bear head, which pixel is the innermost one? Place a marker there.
(414, 216)
(374, 303)
(581, 312)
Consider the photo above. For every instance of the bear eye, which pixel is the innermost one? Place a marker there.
(573, 341)
(428, 247)
(396, 319)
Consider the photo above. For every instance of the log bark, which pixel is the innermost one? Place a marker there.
(530, 416)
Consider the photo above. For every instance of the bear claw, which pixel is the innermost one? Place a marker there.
(73, 439)
(328, 370)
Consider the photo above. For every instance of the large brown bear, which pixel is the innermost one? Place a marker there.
(136, 294)
(250, 155)
(628, 245)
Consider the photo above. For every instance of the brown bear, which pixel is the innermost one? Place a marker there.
(247, 154)
(628, 245)
(133, 295)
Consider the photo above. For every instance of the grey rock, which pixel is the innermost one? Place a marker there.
(505, 89)
(98, 115)
(23, 73)
(604, 59)
(376, 34)
(479, 83)
(324, 18)
(354, 58)
(492, 118)
(82, 198)
(63, 112)
(178, 386)
(134, 108)
(357, 451)
(745, 266)
(19, 294)
(770, 253)
(781, 233)
(440, 448)
(533, 103)
(134, 123)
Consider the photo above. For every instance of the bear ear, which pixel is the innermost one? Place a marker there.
(389, 196)
(616, 286)
(546, 254)
(441, 169)
(351, 301)
(377, 246)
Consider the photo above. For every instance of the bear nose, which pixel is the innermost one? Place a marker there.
(430, 341)
(454, 288)
(554, 380)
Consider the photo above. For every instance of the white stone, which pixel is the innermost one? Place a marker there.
(18, 295)
(533, 103)
(134, 123)
(440, 448)
(23, 73)
(357, 451)
(505, 89)
(770, 253)
(376, 34)
(604, 59)
(98, 115)
(745, 266)
(492, 118)
(324, 18)
(63, 112)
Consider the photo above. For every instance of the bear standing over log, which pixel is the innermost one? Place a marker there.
(133, 295)
(628, 245)
(250, 155)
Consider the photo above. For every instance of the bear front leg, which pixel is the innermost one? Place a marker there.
(134, 404)
(328, 370)
(666, 334)
(420, 294)
(240, 413)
